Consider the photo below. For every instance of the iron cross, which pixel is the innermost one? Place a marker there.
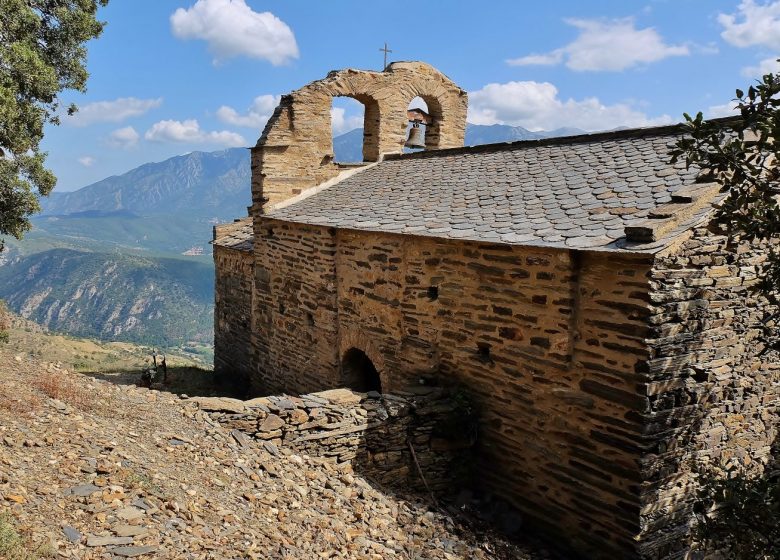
(385, 50)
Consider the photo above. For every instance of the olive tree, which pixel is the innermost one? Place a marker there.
(42, 53)
(742, 155)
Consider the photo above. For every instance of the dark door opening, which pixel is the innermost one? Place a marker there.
(359, 372)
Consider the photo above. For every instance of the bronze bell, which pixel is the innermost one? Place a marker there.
(416, 140)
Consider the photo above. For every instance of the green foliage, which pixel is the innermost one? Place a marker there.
(14, 547)
(10, 542)
(739, 516)
(42, 53)
(742, 156)
(155, 301)
(5, 323)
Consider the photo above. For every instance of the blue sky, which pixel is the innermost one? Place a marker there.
(182, 75)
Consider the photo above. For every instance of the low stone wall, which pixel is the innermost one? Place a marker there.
(390, 439)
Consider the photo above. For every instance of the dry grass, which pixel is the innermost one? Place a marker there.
(18, 400)
(61, 386)
(13, 546)
(139, 480)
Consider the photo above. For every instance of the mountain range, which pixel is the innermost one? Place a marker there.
(217, 184)
(198, 184)
(128, 258)
(349, 146)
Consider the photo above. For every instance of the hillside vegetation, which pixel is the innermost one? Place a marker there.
(155, 301)
(27, 340)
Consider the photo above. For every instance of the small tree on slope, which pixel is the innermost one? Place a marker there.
(5, 322)
(42, 53)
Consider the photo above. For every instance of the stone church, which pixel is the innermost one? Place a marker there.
(574, 287)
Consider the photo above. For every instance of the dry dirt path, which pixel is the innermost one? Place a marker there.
(106, 470)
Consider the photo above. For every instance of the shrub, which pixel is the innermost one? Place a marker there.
(14, 547)
(60, 386)
(739, 516)
(5, 323)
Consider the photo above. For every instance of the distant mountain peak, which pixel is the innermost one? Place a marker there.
(199, 184)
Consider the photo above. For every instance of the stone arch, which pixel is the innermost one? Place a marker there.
(371, 120)
(433, 129)
(359, 373)
(295, 151)
(350, 339)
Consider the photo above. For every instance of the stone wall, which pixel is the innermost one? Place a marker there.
(715, 391)
(598, 376)
(232, 313)
(390, 439)
(295, 316)
(548, 342)
(295, 151)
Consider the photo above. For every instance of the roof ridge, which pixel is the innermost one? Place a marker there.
(554, 141)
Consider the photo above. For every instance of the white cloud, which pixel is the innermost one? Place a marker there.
(86, 161)
(611, 45)
(709, 48)
(766, 66)
(231, 28)
(725, 110)
(549, 59)
(258, 114)
(190, 131)
(126, 137)
(418, 103)
(117, 110)
(536, 106)
(341, 122)
(753, 24)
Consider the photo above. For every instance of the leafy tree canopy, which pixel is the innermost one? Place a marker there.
(742, 155)
(42, 52)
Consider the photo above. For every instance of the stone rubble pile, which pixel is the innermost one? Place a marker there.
(399, 440)
(137, 473)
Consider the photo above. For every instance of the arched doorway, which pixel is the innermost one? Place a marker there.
(359, 373)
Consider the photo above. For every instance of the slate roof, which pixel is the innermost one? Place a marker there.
(237, 235)
(575, 192)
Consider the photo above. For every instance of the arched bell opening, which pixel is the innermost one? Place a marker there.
(359, 373)
(417, 120)
(433, 126)
(354, 117)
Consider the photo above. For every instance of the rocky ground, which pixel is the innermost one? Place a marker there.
(94, 467)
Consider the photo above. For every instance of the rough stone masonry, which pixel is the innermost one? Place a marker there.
(404, 441)
(574, 287)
